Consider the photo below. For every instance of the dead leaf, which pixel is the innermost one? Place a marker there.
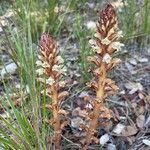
(134, 87)
(130, 68)
(63, 112)
(147, 123)
(76, 122)
(129, 131)
(62, 95)
(83, 94)
(78, 112)
(140, 121)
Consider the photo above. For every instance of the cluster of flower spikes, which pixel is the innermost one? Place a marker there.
(105, 44)
(50, 65)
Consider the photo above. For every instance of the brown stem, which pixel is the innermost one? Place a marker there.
(56, 117)
(101, 84)
(93, 125)
(98, 102)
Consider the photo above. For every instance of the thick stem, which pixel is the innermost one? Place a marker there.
(56, 117)
(93, 125)
(99, 101)
(101, 84)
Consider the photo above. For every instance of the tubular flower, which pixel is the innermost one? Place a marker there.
(50, 71)
(105, 43)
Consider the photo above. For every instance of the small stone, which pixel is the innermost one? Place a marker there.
(5, 115)
(143, 60)
(91, 25)
(146, 142)
(111, 147)
(118, 128)
(91, 5)
(104, 139)
(133, 61)
(1, 29)
(8, 69)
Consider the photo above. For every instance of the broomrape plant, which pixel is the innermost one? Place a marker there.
(50, 70)
(105, 44)
(50, 65)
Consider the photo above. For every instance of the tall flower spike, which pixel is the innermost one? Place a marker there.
(105, 43)
(50, 71)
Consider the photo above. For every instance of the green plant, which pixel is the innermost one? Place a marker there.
(74, 4)
(4, 5)
(40, 15)
(29, 130)
(134, 19)
(81, 34)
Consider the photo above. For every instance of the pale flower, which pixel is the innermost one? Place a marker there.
(59, 59)
(117, 45)
(45, 91)
(94, 46)
(107, 58)
(40, 57)
(97, 35)
(120, 33)
(39, 63)
(92, 42)
(41, 80)
(45, 65)
(50, 81)
(56, 68)
(111, 31)
(42, 64)
(105, 41)
(40, 71)
(99, 50)
(56, 9)
(62, 83)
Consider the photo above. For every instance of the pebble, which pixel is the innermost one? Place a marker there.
(104, 139)
(8, 69)
(111, 147)
(143, 60)
(91, 25)
(119, 127)
(1, 29)
(146, 142)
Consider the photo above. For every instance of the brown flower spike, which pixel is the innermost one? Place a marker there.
(50, 65)
(104, 45)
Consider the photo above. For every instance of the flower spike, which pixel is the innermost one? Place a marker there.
(50, 65)
(105, 43)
